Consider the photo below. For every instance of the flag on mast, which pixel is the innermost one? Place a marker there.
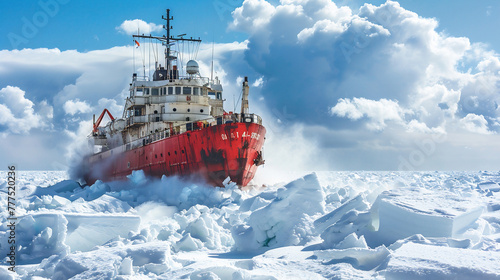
(137, 43)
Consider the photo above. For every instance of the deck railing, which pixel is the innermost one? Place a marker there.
(179, 129)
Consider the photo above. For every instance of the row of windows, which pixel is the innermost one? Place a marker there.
(138, 111)
(169, 91)
(189, 110)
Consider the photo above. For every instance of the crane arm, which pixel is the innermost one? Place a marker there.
(98, 122)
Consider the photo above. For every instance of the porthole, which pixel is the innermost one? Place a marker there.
(182, 151)
(174, 109)
(175, 152)
(128, 164)
(201, 110)
(189, 110)
(156, 156)
(168, 153)
(161, 154)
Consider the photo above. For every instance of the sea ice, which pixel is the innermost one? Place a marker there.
(326, 225)
(407, 211)
(418, 261)
(286, 220)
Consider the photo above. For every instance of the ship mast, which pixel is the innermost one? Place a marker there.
(167, 51)
(168, 41)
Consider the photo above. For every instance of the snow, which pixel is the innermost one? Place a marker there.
(418, 261)
(322, 225)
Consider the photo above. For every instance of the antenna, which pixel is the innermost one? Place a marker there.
(212, 70)
(168, 41)
(167, 52)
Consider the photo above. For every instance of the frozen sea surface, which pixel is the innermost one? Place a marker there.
(324, 225)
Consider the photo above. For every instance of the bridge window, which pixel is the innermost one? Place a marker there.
(196, 91)
(178, 90)
(219, 95)
(154, 91)
(170, 90)
(146, 91)
(186, 90)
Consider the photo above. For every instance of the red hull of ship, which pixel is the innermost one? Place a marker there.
(212, 153)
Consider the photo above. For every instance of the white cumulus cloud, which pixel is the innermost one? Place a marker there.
(377, 112)
(17, 113)
(131, 27)
(381, 67)
(73, 107)
(475, 123)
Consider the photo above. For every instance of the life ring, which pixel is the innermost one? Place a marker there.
(188, 98)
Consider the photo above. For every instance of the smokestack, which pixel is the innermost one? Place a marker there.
(244, 97)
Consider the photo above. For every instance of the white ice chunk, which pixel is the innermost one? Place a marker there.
(418, 261)
(205, 275)
(66, 186)
(105, 263)
(360, 258)
(85, 231)
(226, 181)
(40, 236)
(407, 211)
(137, 177)
(188, 243)
(48, 202)
(221, 272)
(352, 221)
(352, 241)
(103, 204)
(489, 186)
(331, 218)
(126, 267)
(285, 221)
(98, 189)
(59, 201)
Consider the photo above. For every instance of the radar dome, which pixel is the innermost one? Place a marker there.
(192, 67)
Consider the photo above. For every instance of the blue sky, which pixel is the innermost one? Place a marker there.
(345, 85)
(90, 25)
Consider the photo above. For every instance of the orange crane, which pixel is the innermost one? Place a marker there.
(96, 124)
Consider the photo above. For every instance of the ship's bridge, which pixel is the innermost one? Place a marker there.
(180, 100)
